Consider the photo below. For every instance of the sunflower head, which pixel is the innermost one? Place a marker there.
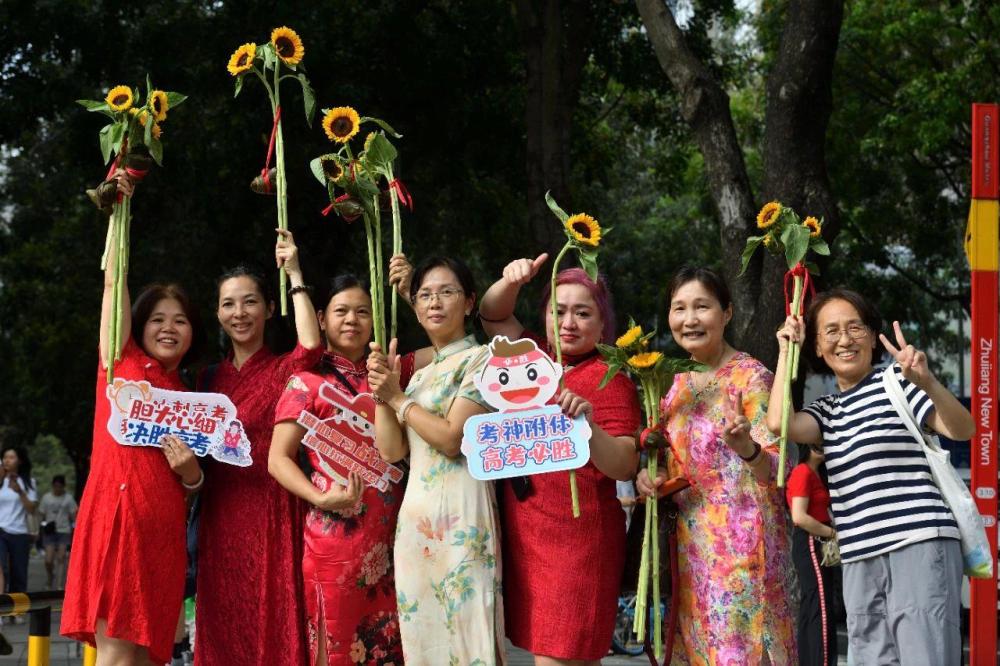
(140, 115)
(341, 124)
(119, 98)
(332, 169)
(770, 243)
(159, 104)
(157, 131)
(644, 360)
(583, 229)
(630, 337)
(768, 215)
(242, 59)
(813, 225)
(287, 45)
(368, 140)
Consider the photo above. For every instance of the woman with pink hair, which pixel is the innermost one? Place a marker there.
(561, 574)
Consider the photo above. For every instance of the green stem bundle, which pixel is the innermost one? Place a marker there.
(118, 237)
(282, 185)
(557, 346)
(791, 372)
(649, 564)
(397, 242)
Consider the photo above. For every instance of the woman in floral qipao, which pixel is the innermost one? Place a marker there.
(446, 554)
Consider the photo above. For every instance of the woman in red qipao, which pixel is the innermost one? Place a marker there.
(347, 565)
(249, 595)
(562, 575)
(125, 581)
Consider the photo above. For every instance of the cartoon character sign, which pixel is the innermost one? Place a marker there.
(142, 414)
(527, 435)
(345, 442)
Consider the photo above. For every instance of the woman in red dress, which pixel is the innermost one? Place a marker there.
(562, 575)
(249, 594)
(125, 581)
(347, 565)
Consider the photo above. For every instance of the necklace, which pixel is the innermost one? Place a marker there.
(702, 380)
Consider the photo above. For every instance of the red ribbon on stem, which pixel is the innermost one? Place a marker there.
(135, 174)
(807, 286)
(333, 204)
(270, 152)
(404, 195)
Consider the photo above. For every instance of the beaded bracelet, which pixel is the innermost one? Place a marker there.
(300, 288)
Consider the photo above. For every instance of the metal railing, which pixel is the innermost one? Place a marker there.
(39, 606)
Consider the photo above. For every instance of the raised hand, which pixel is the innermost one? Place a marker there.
(400, 272)
(793, 330)
(383, 372)
(286, 253)
(736, 426)
(912, 361)
(650, 487)
(181, 459)
(520, 271)
(340, 497)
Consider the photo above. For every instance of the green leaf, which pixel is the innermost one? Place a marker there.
(156, 151)
(384, 125)
(105, 137)
(752, 243)
(117, 133)
(147, 137)
(238, 87)
(308, 98)
(812, 267)
(149, 87)
(588, 260)
(796, 240)
(316, 166)
(270, 59)
(613, 369)
(94, 105)
(554, 207)
(819, 246)
(175, 99)
(380, 152)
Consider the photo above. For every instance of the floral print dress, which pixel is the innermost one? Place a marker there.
(737, 582)
(446, 551)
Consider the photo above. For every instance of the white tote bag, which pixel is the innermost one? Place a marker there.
(975, 545)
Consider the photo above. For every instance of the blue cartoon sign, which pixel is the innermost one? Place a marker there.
(142, 414)
(526, 436)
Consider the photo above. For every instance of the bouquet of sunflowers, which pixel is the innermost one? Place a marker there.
(360, 178)
(655, 373)
(272, 62)
(583, 234)
(785, 234)
(134, 137)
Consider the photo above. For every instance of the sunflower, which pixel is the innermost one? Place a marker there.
(584, 229)
(644, 361)
(242, 59)
(157, 131)
(287, 45)
(159, 104)
(813, 225)
(341, 124)
(768, 215)
(139, 114)
(629, 338)
(770, 243)
(332, 169)
(368, 140)
(119, 98)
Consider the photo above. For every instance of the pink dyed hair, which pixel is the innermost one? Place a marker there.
(598, 291)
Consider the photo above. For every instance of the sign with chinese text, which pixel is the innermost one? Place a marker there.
(142, 414)
(345, 442)
(526, 436)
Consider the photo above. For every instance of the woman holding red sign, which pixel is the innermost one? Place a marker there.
(249, 539)
(126, 569)
(350, 593)
(562, 575)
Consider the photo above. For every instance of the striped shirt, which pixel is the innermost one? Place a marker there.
(882, 493)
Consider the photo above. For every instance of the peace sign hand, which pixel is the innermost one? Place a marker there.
(912, 361)
(736, 426)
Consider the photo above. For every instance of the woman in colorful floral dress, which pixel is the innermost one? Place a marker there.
(446, 553)
(737, 582)
(347, 561)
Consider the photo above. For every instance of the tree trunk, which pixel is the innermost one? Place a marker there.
(555, 36)
(798, 111)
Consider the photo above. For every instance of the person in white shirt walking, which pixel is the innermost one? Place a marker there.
(57, 510)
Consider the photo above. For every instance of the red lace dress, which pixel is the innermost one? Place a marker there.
(250, 608)
(128, 559)
(562, 574)
(347, 564)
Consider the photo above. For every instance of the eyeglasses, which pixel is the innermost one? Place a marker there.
(446, 294)
(854, 332)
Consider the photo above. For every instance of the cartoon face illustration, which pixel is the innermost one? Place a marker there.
(123, 393)
(357, 422)
(518, 375)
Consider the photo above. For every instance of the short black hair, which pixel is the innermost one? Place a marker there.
(337, 284)
(253, 273)
(142, 310)
(456, 266)
(709, 279)
(868, 312)
(59, 478)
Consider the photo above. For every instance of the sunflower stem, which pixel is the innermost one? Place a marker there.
(378, 287)
(791, 369)
(397, 241)
(557, 346)
(376, 322)
(282, 185)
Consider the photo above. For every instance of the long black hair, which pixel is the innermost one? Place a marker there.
(277, 337)
(23, 465)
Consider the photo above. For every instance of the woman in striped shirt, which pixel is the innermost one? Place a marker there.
(898, 539)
